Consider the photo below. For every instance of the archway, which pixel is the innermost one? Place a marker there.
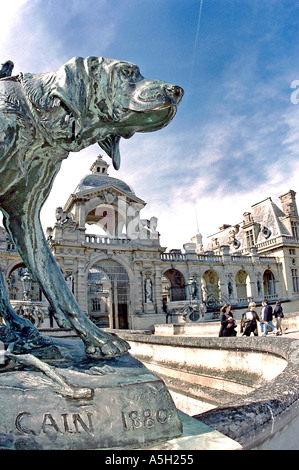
(108, 294)
(106, 219)
(211, 292)
(243, 287)
(16, 287)
(269, 284)
(175, 283)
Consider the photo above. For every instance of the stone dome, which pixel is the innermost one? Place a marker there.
(99, 177)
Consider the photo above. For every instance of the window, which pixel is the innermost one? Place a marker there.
(295, 280)
(96, 305)
(250, 238)
(292, 251)
(294, 227)
(269, 283)
(10, 244)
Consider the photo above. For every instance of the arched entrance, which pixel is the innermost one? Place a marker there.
(243, 286)
(269, 284)
(174, 282)
(16, 286)
(108, 294)
(211, 293)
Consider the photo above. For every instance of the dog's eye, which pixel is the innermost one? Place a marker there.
(128, 72)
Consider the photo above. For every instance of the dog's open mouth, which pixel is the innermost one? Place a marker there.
(152, 106)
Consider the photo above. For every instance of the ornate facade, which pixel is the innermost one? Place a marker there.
(113, 262)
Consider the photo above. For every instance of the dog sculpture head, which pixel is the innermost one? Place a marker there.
(100, 100)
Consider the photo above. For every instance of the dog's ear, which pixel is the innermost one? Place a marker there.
(72, 88)
(82, 81)
(101, 73)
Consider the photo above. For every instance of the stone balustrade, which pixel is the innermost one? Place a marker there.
(247, 388)
(216, 259)
(102, 240)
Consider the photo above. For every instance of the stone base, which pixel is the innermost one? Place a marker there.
(128, 406)
(196, 436)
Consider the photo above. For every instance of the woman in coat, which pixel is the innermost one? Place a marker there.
(227, 321)
(249, 320)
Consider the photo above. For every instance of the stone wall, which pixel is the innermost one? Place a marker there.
(247, 388)
(211, 328)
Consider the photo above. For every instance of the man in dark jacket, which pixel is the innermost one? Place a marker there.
(266, 317)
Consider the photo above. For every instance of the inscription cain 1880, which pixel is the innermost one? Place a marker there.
(75, 423)
(67, 424)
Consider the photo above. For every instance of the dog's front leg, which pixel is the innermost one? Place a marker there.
(26, 231)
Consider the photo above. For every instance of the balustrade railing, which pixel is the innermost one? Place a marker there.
(173, 257)
(102, 240)
(217, 259)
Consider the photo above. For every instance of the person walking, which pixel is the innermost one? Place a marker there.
(249, 321)
(227, 321)
(266, 318)
(278, 313)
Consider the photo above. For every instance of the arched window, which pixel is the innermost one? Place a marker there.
(210, 283)
(109, 293)
(176, 285)
(269, 283)
(243, 286)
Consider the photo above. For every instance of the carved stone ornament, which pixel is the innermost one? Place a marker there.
(266, 232)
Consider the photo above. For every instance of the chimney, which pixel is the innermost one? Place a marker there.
(288, 201)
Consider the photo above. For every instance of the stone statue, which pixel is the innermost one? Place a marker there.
(6, 69)
(63, 217)
(43, 117)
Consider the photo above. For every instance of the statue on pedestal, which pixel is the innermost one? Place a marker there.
(62, 393)
(45, 116)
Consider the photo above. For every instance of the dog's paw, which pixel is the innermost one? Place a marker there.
(113, 347)
(116, 347)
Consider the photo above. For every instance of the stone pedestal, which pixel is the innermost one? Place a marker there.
(128, 406)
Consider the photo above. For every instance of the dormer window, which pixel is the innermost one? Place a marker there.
(250, 238)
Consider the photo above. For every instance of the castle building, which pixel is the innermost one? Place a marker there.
(122, 277)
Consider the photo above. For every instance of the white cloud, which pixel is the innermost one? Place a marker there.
(10, 15)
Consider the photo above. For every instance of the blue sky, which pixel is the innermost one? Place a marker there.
(235, 138)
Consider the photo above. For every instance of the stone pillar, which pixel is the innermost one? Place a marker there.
(259, 290)
(80, 214)
(138, 287)
(232, 297)
(158, 289)
(224, 251)
(81, 291)
(254, 255)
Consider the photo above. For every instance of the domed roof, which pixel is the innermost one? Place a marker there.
(100, 177)
(96, 181)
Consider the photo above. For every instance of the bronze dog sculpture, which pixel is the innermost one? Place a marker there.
(43, 117)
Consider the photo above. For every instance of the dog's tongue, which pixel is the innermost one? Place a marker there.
(111, 147)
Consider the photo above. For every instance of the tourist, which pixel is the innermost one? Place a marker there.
(227, 321)
(266, 318)
(278, 313)
(249, 321)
